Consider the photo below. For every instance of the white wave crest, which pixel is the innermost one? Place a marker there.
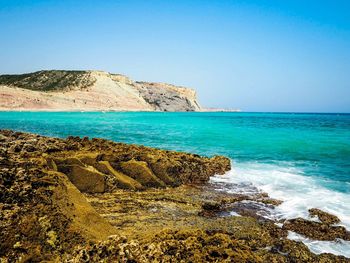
(298, 192)
(339, 247)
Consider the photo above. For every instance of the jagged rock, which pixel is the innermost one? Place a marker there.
(160, 168)
(316, 230)
(86, 179)
(3, 138)
(221, 163)
(42, 213)
(118, 180)
(88, 158)
(15, 148)
(140, 171)
(324, 217)
(67, 161)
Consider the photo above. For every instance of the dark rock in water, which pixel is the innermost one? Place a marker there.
(316, 230)
(324, 217)
(298, 252)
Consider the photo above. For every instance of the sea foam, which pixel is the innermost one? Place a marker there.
(298, 193)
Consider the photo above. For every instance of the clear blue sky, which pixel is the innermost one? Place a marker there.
(254, 55)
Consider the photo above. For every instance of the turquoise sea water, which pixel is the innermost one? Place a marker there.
(318, 144)
(302, 159)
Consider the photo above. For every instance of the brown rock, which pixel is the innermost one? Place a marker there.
(160, 168)
(83, 217)
(86, 179)
(210, 209)
(27, 147)
(88, 158)
(3, 138)
(324, 216)
(118, 179)
(139, 171)
(222, 164)
(315, 230)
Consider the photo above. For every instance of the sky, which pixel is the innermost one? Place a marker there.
(257, 55)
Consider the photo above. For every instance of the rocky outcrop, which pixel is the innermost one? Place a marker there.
(93, 200)
(323, 230)
(324, 217)
(91, 90)
(42, 180)
(315, 230)
(98, 165)
(165, 97)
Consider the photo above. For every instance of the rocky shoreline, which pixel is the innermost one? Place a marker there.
(91, 200)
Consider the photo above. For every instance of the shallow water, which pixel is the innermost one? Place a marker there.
(302, 159)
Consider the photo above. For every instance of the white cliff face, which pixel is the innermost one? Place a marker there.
(91, 90)
(166, 97)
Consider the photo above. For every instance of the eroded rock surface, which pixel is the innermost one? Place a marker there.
(324, 217)
(323, 230)
(316, 230)
(151, 206)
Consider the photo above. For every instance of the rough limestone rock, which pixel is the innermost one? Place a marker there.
(44, 217)
(42, 212)
(324, 217)
(86, 179)
(91, 90)
(97, 165)
(119, 180)
(316, 230)
(140, 171)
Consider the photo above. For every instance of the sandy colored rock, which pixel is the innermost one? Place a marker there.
(84, 218)
(86, 179)
(64, 90)
(43, 213)
(139, 170)
(120, 180)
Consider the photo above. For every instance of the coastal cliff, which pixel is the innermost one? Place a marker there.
(91, 91)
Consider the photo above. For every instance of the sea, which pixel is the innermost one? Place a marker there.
(302, 159)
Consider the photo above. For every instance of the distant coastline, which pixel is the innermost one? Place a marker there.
(60, 90)
(120, 110)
